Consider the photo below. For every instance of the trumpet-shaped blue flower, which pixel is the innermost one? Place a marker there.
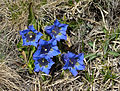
(47, 49)
(73, 62)
(30, 36)
(57, 30)
(43, 64)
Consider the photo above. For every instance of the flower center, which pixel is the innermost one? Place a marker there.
(30, 36)
(56, 31)
(43, 62)
(72, 62)
(45, 49)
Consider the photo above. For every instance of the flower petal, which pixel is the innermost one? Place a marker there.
(80, 58)
(71, 55)
(37, 68)
(73, 71)
(38, 36)
(49, 28)
(63, 27)
(46, 70)
(42, 42)
(56, 22)
(24, 32)
(80, 67)
(53, 53)
(36, 54)
(63, 32)
(54, 42)
(50, 64)
(31, 27)
(59, 37)
(66, 65)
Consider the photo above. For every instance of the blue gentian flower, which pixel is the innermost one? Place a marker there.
(57, 30)
(30, 36)
(42, 64)
(73, 62)
(47, 49)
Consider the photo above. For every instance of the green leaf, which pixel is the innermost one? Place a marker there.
(43, 77)
(32, 50)
(90, 55)
(77, 1)
(21, 56)
(19, 49)
(113, 36)
(45, 37)
(114, 53)
(31, 65)
(83, 46)
(117, 32)
(19, 45)
(63, 73)
(106, 44)
(31, 16)
(71, 2)
(91, 44)
(109, 75)
(105, 31)
(92, 77)
(87, 76)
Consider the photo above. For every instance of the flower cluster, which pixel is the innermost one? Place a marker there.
(46, 50)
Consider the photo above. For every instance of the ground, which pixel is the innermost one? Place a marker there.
(93, 30)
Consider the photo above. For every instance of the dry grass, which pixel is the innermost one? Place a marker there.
(10, 80)
(93, 29)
